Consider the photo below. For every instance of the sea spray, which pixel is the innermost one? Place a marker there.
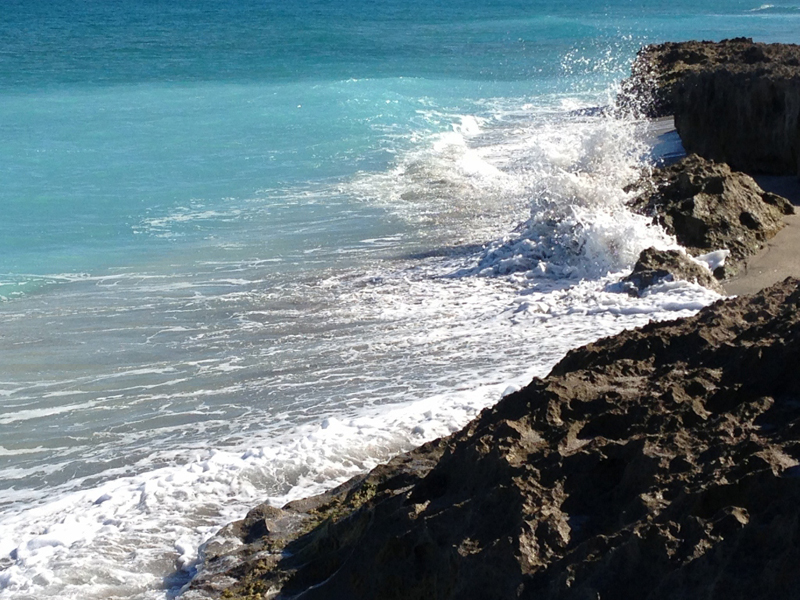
(235, 272)
(445, 317)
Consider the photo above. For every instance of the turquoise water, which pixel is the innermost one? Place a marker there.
(250, 249)
(116, 114)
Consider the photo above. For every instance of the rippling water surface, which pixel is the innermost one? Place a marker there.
(250, 249)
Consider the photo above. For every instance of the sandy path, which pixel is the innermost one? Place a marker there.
(780, 258)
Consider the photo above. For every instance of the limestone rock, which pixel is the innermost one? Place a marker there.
(708, 207)
(734, 101)
(661, 463)
(655, 266)
(245, 559)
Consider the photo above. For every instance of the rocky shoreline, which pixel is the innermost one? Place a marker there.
(719, 216)
(736, 107)
(734, 101)
(660, 463)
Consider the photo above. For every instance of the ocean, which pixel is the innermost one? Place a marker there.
(250, 249)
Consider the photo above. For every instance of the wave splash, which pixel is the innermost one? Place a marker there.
(579, 226)
(544, 182)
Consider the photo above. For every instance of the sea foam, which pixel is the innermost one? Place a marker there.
(401, 352)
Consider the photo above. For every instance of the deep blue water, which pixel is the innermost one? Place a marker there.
(247, 248)
(114, 113)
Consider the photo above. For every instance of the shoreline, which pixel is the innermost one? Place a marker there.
(557, 320)
(779, 258)
(573, 487)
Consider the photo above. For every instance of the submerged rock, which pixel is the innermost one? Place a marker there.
(734, 101)
(708, 207)
(655, 266)
(660, 463)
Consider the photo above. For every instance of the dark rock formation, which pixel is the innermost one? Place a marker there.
(661, 463)
(708, 207)
(734, 101)
(655, 266)
(247, 557)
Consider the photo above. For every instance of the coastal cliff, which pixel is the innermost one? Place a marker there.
(736, 105)
(660, 463)
(735, 101)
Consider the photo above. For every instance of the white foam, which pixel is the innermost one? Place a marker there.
(368, 361)
(7, 452)
(40, 413)
(167, 512)
(580, 226)
(168, 225)
(447, 178)
(470, 125)
(713, 260)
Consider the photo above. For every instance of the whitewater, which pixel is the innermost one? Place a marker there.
(249, 252)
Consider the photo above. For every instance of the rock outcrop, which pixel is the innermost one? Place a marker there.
(734, 101)
(708, 207)
(655, 266)
(661, 463)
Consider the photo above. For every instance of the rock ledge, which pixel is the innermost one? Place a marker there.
(708, 207)
(661, 463)
(734, 101)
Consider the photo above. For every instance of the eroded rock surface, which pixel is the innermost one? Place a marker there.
(734, 101)
(655, 266)
(246, 558)
(661, 463)
(708, 207)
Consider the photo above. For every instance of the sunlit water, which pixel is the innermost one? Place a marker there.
(247, 251)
